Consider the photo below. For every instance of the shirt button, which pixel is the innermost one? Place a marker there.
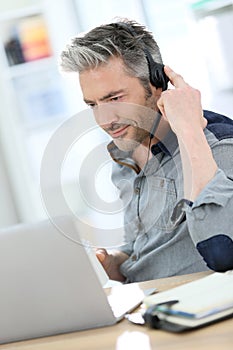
(137, 190)
(162, 183)
(134, 257)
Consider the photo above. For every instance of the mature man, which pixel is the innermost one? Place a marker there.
(177, 165)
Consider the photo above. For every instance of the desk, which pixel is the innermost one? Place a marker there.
(127, 336)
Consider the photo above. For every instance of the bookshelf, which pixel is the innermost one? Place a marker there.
(33, 100)
(30, 68)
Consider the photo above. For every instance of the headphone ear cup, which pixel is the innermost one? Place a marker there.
(157, 76)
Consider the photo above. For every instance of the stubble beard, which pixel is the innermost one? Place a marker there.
(129, 144)
(139, 133)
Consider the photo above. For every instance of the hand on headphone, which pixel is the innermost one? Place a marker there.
(181, 106)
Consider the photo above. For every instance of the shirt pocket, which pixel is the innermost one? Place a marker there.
(162, 198)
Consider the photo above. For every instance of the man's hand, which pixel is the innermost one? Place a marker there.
(181, 106)
(111, 263)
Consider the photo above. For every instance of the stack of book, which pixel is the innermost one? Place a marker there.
(28, 41)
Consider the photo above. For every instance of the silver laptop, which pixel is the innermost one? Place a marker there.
(49, 285)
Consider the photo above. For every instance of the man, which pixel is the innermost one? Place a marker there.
(178, 188)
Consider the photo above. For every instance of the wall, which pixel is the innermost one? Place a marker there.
(11, 5)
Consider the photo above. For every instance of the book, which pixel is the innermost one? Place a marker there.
(192, 305)
(34, 38)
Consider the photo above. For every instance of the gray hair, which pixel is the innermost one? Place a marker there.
(124, 39)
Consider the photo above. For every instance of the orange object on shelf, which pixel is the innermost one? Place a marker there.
(34, 39)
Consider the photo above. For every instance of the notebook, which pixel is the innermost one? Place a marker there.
(192, 305)
(49, 285)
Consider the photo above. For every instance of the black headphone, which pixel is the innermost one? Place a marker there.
(156, 70)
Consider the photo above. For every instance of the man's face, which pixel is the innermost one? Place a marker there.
(120, 103)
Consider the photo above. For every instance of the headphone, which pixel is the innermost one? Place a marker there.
(156, 70)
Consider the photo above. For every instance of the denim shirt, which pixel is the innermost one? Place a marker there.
(203, 237)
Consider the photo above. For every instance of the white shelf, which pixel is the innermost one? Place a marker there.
(34, 98)
(32, 102)
(25, 68)
(20, 13)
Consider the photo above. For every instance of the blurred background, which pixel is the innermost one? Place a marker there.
(195, 40)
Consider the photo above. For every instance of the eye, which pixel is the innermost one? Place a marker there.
(116, 98)
(91, 105)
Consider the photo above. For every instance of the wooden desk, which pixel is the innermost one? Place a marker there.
(126, 336)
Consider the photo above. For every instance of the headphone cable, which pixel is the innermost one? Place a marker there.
(152, 133)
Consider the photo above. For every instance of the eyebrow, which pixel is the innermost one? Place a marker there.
(106, 97)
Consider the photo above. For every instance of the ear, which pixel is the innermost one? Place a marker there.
(156, 91)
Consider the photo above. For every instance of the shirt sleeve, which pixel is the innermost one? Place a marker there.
(210, 222)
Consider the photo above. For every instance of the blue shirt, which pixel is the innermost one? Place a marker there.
(157, 245)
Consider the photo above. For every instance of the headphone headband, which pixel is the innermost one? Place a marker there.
(156, 70)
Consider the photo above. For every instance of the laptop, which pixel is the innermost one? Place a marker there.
(49, 285)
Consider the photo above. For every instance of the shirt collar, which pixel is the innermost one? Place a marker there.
(168, 145)
(122, 157)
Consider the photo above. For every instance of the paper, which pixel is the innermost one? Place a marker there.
(197, 299)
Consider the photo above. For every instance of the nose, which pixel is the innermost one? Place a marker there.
(106, 115)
